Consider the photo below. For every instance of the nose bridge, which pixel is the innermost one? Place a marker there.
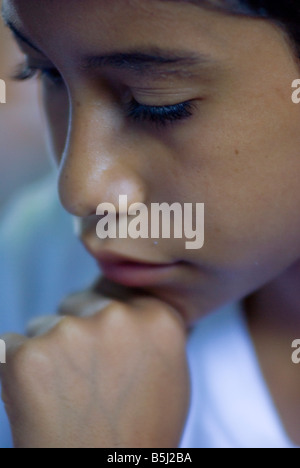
(94, 167)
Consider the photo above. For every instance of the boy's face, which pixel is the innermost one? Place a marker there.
(239, 151)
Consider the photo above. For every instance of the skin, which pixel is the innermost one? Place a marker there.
(238, 154)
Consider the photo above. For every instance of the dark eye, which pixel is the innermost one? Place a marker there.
(160, 115)
(26, 72)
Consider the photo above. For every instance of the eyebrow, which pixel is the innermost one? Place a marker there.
(147, 61)
(151, 61)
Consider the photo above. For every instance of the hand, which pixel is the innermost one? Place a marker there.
(117, 378)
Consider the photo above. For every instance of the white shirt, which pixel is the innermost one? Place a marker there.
(231, 406)
(42, 262)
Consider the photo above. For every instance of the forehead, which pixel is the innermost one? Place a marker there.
(147, 6)
(120, 20)
(70, 29)
(123, 11)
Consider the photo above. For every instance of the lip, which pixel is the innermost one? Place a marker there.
(134, 274)
(131, 272)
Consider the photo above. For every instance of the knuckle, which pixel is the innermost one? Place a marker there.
(71, 335)
(116, 311)
(118, 307)
(115, 317)
(68, 327)
(28, 377)
(28, 360)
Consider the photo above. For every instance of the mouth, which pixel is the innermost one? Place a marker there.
(136, 274)
(133, 273)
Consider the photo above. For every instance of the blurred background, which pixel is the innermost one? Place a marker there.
(23, 155)
(41, 261)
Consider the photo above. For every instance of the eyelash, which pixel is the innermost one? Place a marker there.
(26, 72)
(159, 115)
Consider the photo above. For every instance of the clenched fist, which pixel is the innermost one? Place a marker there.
(108, 374)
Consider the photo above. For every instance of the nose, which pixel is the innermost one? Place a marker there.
(98, 163)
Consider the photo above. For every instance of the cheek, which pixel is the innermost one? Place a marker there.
(56, 105)
(249, 181)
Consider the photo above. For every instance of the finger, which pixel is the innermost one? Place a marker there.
(42, 325)
(85, 304)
